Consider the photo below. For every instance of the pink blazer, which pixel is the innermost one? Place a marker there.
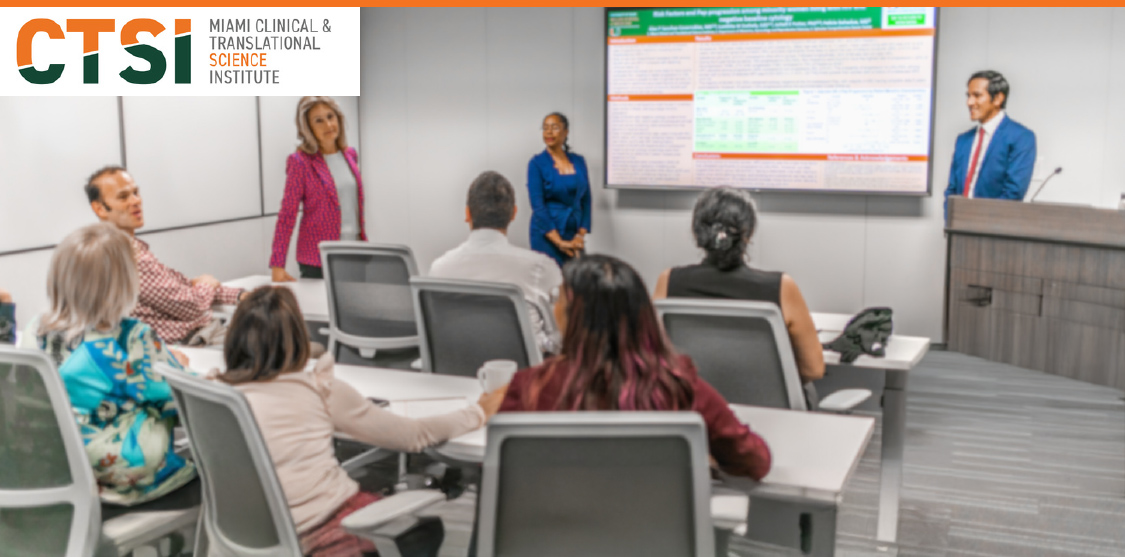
(309, 182)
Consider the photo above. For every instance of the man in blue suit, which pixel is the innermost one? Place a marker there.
(995, 159)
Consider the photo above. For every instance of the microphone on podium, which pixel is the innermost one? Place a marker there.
(1045, 180)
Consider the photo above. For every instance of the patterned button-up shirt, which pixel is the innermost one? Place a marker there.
(168, 302)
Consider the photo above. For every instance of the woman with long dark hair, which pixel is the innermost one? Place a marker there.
(615, 357)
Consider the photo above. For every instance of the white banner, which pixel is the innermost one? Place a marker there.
(181, 51)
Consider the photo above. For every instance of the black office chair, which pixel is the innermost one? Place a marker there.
(620, 484)
(742, 349)
(245, 511)
(371, 318)
(466, 323)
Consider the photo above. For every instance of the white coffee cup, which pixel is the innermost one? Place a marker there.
(496, 373)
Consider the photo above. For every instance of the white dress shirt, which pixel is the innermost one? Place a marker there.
(488, 256)
(989, 131)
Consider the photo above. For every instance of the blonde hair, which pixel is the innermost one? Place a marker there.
(309, 144)
(92, 281)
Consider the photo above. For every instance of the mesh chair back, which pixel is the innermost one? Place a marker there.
(467, 323)
(740, 347)
(618, 484)
(245, 511)
(368, 288)
(48, 498)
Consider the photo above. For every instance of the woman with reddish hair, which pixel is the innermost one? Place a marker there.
(615, 357)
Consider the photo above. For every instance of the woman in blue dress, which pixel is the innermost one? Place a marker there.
(558, 185)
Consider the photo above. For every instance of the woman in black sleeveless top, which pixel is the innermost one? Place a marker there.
(723, 222)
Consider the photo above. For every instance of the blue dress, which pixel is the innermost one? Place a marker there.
(558, 202)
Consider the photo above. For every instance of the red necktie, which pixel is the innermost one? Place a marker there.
(973, 164)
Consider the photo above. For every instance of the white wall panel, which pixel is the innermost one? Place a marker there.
(225, 251)
(523, 86)
(48, 147)
(194, 158)
(384, 109)
(819, 241)
(1113, 170)
(446, 136)
(587, 132)
(1067, 112)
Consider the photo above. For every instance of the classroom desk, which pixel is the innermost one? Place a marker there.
(814, 454)
(902, 354)
(310, 294)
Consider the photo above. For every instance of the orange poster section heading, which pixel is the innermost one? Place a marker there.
(810, 157)
(633, 98)
(857, 33)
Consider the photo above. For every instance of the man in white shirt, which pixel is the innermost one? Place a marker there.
(488, 256)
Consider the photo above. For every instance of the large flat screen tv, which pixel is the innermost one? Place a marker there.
(778, 99)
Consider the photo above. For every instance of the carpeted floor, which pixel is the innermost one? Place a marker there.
(1000, 461)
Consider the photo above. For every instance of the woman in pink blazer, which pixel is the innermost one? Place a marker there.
(323, 175)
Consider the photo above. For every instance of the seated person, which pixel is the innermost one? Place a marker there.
(488, 256)
(609, 359)
(7, 318)
(299, 412)
(178, 308)
(124, 410)
(723, 223)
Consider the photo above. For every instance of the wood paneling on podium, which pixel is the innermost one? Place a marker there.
(1039, 286)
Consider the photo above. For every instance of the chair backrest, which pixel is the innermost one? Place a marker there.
(368, 288)
(465, 323)
(48, 497)
(244, 508)
(618, 484)
(740, 347)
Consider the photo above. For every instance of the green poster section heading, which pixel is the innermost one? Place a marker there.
(695, 21)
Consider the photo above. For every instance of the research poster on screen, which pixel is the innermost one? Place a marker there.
(836, 99)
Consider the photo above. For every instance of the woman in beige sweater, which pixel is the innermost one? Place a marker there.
(300, 412)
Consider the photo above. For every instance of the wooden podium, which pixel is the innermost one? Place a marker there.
(1039, 286)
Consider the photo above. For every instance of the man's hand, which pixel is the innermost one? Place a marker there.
(205, 279)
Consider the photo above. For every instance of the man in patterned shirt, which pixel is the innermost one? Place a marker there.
(178, 308)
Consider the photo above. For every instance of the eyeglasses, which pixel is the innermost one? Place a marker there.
(553, 128)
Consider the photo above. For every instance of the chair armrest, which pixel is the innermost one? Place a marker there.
(844, 400)
(361, 460)
(388, 509)
(728, 512)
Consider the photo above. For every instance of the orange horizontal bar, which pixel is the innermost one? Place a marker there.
(633, 98)
(355, 3)
(788, 35)
(811, 157)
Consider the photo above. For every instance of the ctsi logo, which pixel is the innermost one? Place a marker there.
(91, 30)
